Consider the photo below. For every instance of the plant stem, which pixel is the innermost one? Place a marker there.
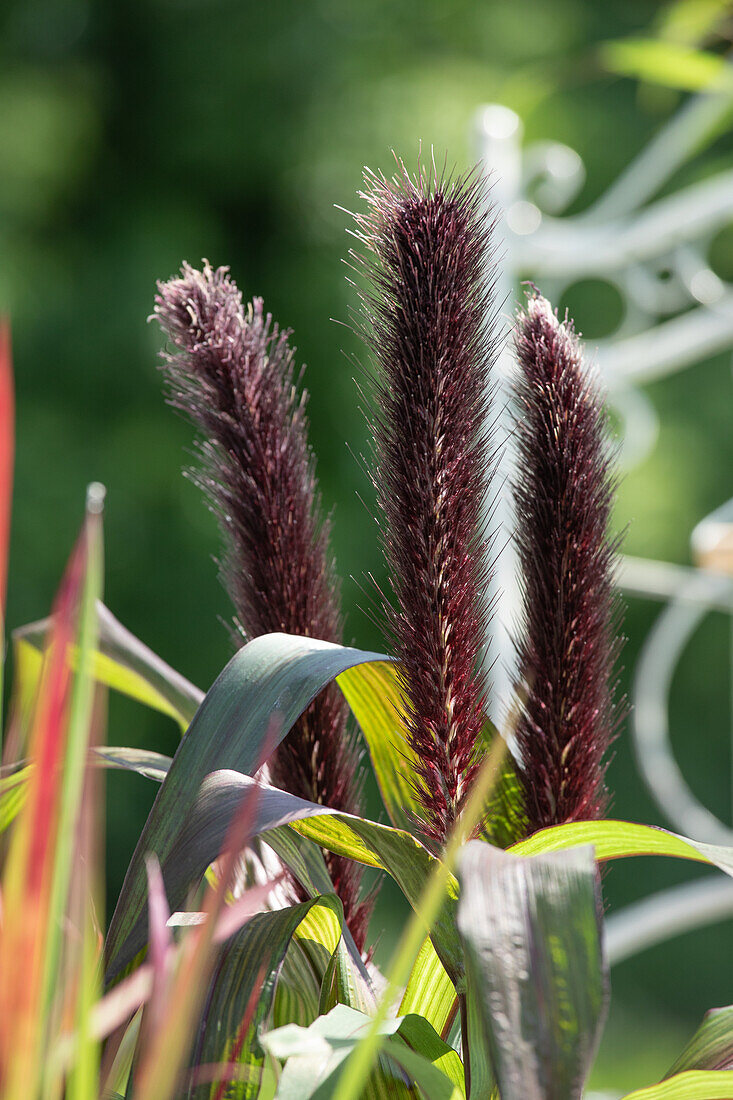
(465, 1050)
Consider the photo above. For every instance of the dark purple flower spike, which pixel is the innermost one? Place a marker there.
(568, 647)
(427, 242)
(231, 372)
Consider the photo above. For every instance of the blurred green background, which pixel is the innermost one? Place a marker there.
(138, 133)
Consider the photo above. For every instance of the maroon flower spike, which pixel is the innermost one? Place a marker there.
(426, 321)
(232, 373)
(564, 493)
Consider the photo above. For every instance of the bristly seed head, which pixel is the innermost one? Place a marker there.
(427, 321)
(569, 644)
(231, 371)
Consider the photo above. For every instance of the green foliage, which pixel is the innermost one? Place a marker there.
(669, 64)
(278, 1002)
(527, 920)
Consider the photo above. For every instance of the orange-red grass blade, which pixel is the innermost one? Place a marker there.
(29, 933)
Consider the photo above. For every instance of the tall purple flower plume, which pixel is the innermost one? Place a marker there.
(231, 372)
(568, 648)
(427, 241)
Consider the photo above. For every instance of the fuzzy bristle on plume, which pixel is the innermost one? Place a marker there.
(568, 645)
(231, 371)
(426, 319)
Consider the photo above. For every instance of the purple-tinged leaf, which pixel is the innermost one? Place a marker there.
(531, 930)
(273, 678)
(711, 1047)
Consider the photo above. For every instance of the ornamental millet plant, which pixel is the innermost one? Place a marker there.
(427, 320)
(232, 372)
(569, 642)
(520, 939)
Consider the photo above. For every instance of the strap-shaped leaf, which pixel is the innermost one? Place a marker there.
(250, 708)
(696, 1085)
(205, 825)
(14, 778)
(375, 696)
(120, 660)
(430, 992)
(255, 954)
(145, 762)
(711, 1047)
(404, 858)
(619, 839)
(318, 970)
(532, 934)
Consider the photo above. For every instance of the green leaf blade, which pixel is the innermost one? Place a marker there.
(376, 699)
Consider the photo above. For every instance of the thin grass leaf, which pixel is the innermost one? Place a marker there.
(620, 839)
(160, 943)
(85, 913)
(78, 733)
(121, 661)
(36, 868)
(695, 1085)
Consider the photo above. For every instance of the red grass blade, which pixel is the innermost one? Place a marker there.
(28, 873)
